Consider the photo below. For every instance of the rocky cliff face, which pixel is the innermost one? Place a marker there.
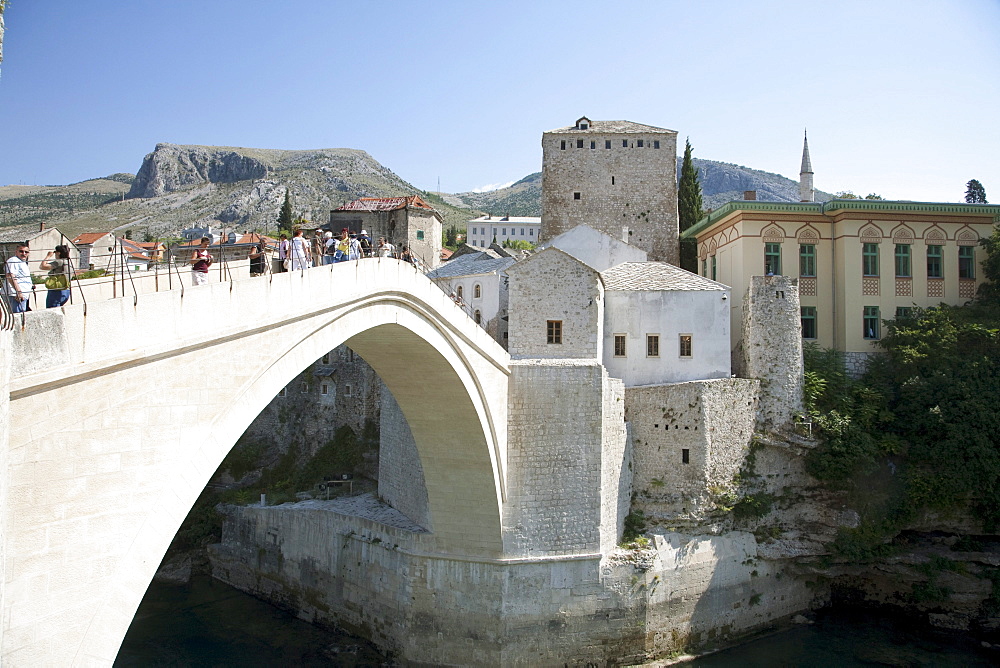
(171, 167)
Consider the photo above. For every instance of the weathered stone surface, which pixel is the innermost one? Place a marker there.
(171, 167)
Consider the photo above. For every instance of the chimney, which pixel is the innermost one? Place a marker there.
(749, 195)
(41, 227)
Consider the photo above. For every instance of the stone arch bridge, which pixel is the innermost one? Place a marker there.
(115, 417)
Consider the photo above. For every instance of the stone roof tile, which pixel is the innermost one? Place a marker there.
(612, 127)
(655, 276)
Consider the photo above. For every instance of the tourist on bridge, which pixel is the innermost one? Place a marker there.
(366, 244)
(329, 248)
(354, 248)
(18, 286)
(57, 281)
(258, 258)
(299, 252)
(385, 249)
(343, 247)
(200, 261)
(283, 246)
(318, 248)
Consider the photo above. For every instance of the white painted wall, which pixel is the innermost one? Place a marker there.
(702, 313)
(596, 249)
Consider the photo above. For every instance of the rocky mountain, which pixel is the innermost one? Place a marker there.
(721, 182)
(179, 186)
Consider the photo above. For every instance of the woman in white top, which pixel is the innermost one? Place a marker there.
(299, 252)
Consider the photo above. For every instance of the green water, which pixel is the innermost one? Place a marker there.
(211, 624)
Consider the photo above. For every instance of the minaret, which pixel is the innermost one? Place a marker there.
(806, 191)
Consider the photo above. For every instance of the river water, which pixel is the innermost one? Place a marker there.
(208, 623)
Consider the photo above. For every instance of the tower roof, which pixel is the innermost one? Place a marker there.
(807, 167)
(609, 127)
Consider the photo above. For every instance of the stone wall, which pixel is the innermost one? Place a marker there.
(400, 474)
(688, 438)
(551, 285)
(373, 574)
(563, 483)
(6, 360)
(772, 347)
(629, 193)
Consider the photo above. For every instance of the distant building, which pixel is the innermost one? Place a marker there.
(618, 177)
(484, 230)
(97, 250)
(40, 240)
(404, 221)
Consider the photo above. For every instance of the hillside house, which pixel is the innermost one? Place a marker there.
(41, 240)
(479, 281)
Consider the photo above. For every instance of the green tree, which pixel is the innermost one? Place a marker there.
(989, 291)
(286, 221)
(873, 196)
(689, 208)
(975, 193)
(451, 237)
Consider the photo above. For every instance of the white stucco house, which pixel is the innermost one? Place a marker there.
(479, 281)
(648, 323)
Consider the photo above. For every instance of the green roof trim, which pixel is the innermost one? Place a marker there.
(840, 205)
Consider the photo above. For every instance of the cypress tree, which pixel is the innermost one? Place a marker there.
(285, 219)
(689, 208)
(975, 193)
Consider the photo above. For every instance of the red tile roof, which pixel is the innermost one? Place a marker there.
(386, 204)
(89, 237)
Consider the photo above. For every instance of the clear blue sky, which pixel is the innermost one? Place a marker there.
(900, 98)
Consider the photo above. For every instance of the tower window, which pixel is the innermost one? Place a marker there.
(607, 143)
(324, 389)
(612, 180)
(347, 390)
(656, 143)
(420, 235)
(562, 145)
(576, 195)
(685, 456)
(638, 143)
(579, 143)
(593, 144)
(624, 143)
(553, 331)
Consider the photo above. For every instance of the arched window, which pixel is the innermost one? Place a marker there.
(477, 291)
(458, 291)
(479, 317)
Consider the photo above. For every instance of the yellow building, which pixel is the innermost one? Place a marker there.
(858, 262)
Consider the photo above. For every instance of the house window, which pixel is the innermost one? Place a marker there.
(459, 291)
(704, 267)
(652, 345)
(579, 143)
(904, 312)
(685, 345)
(685, 456)
(656, 143)
(522, 231)
(934, 259)
(808, 322)
(807, 260)
(347, 390)
(504, 231)
(593, 144)
(576, 195)
(326, 358)
(477, 291)
(639, 143)
(584, 126)
(619, 345)
(324, 389)
(420, 235)
(966, 262)
(869, 259)
(714, 267)
(531, 232)
(871, 322)
(607, 143)
(553, 331)
(283, 392)
(772, 259)
(478, 316)
(304, 387)
(903, 261)
(562, 145)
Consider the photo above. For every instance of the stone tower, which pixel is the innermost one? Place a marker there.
(806, 191)
(618, 177)
(772, 347)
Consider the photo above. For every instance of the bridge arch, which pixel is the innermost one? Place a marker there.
(135, 455)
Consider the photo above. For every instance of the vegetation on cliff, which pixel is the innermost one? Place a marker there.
(919, 431)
